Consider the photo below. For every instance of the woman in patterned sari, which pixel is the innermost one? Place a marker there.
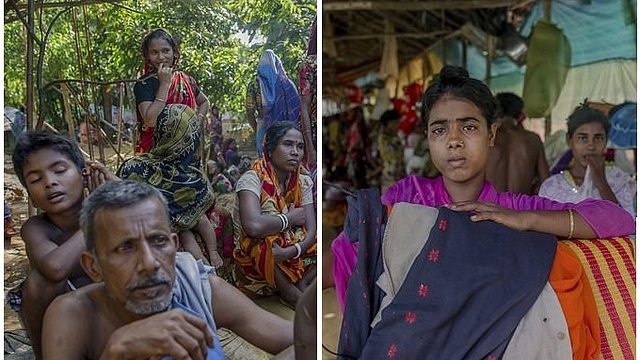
(163, 84)
(172, 165)
(275, 219)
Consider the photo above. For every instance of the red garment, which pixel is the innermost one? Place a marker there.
(180, 92)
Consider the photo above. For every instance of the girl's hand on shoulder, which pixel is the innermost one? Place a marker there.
(97, 174)
(490, 211)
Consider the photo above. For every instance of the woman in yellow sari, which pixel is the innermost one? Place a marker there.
(275, 224)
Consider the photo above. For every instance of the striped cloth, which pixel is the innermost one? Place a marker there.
(611, 268)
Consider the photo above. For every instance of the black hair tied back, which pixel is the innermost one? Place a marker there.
(453, 75)
(585, 104)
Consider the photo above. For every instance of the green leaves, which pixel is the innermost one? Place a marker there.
(205, 30)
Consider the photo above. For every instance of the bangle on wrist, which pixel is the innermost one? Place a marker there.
(161, 100)
(298, 250)
(572, 224)
(284, 222)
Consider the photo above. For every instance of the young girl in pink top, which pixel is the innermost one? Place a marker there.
(459, 113)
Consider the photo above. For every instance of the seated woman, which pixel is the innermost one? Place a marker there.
(230, 152)
(172, 165)
(459, 114)
(275, 224)
(588, 175)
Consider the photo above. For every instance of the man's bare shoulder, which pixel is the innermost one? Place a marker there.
(80, 301)
(74, 325)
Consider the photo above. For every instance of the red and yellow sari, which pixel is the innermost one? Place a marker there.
(254, 257)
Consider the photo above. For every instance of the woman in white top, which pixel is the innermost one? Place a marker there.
(588, 176)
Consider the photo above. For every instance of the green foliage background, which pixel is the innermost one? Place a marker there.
(101, 42)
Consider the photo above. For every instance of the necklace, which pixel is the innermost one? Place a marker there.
(571, 180)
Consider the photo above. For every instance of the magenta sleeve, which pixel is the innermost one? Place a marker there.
(605, 218)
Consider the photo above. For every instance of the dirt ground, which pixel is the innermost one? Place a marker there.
(16, 264)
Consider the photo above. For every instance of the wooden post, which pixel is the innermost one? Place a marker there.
(547, 126)
(120, 120)
(29, 79)
(465, 45)
(546, 11)
(29, 73)
(71, 126)
(489, 58)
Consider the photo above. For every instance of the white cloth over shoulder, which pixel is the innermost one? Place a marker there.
(192, 287)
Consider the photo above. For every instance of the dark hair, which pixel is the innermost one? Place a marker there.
(234, 159)
(226, 145)
(158, 34)
(584, 114)
(454, 81)
(35, 140)
(510, 104)
(276, 131)
(215, 107)
(389, 115)
(114, 195)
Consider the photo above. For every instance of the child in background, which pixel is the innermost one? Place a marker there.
(588, 176)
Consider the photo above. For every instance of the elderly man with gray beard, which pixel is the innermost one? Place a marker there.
(149, 302)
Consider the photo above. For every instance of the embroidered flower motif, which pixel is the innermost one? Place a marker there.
(393, 349)
(423, 290)
(442, 224)
(410, 317)
(434, 255)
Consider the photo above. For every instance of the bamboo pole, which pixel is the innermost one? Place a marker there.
(29, 79)
(94, 91)
(120, 121)
(64, 89)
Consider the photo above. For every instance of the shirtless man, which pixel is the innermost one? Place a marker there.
(148, 301)
(517, 161)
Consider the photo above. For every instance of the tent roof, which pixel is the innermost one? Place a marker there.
(597, 30)
(356, 29)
